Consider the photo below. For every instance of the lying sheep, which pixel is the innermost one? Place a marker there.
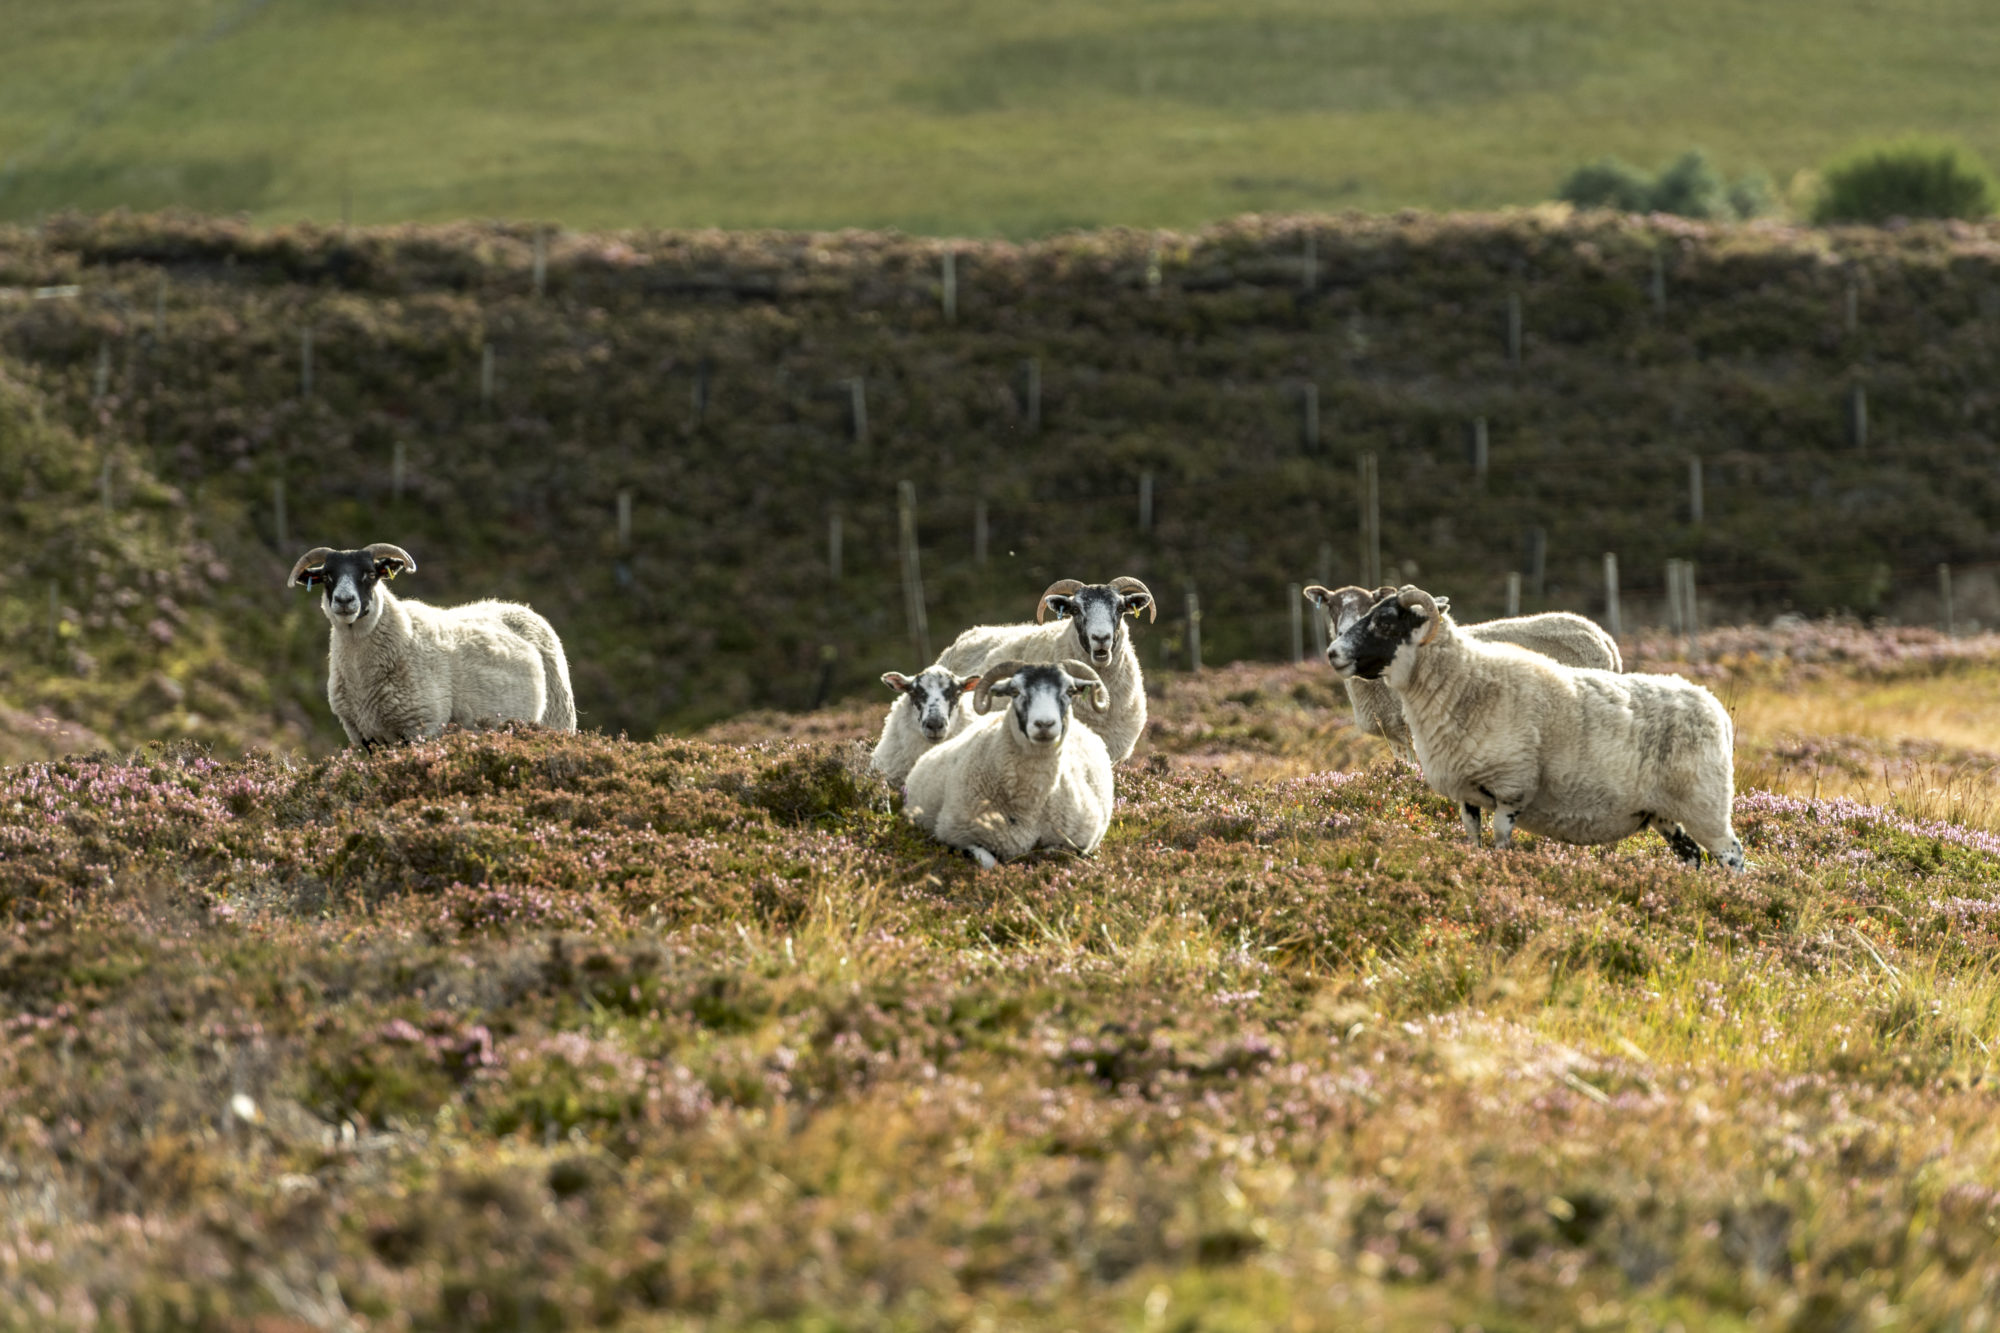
(1092, 625)
(1020, 779)
(399, 671)
(927, 710)
(1580, 755)
(1569, 639)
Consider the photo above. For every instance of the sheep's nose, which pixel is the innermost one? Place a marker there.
(1045, 731)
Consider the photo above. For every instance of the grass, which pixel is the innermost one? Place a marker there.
(976, 118)
(514, 1030)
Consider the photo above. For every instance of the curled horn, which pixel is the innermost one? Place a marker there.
(1416, 599)
(982, 697)
(1082, 673)
(1125, 583)
(312, 559)
(1060, 588)
(380, 551)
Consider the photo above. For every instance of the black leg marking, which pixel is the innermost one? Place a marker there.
(1678, 841)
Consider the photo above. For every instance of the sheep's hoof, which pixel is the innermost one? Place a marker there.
(982, 858)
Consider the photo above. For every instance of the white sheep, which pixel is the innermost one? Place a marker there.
(1567, 638)
(401, 670)
(929, 708)
(1092, 626)
(1019, 779)
(1576, 754)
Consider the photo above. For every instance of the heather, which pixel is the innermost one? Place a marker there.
(515, 1029)
(710, 379)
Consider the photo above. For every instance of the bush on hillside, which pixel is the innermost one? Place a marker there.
(1911, 179)
(1690, 187)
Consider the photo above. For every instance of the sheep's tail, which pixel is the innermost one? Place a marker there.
(559, 712)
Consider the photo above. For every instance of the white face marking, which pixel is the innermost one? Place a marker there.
(1040, 712)
(343, 600)
(1097, 627)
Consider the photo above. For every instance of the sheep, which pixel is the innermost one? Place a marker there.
(1019, 779)
(927, 710)
(1091, 626)
(1578, 754)
(1569, 639)
(400, 670)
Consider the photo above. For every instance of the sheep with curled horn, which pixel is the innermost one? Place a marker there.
(401, 670)
(1091, 625)
(1572, 753)
(1023, 777)
(1567, 638)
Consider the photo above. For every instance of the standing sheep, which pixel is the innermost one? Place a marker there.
(1569, 639)
(928, 709)
(1020, 779)
(1576, 754)
(1092, 625)
(400, 671)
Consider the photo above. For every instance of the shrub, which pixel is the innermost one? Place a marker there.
(1690, 187)
(1911, 179)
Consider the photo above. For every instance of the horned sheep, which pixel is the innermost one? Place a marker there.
(1091, 626)
(930, 707)
(1576, 754)
(401, 670)
(1022, 778)
(1561, 635)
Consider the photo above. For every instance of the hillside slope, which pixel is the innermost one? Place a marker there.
(979, 118)
(712, 379)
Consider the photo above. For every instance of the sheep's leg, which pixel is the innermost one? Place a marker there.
(1720, 840)
(1504, 816)
(984, 859)
(1678, 842)
(1471, 814)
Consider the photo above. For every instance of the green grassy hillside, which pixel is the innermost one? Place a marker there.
(710, 376)
(971, 118)
(513, 1031)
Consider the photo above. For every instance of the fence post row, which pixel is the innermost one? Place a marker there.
(833, 548)
(1944, 596)
(1146, 500)
(1194, 630)
(1513, 592)
(913, 580)
(540, 263)
(1857, 417)
(1694, 488)
(1479, 452)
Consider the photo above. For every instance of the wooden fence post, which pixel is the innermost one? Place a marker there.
(949, 294)
(1146, 500)
(1857, 417)
(1944, 596)
(1194, 630)
(857, 408)
(539, 265)
(1480, 453)
(913, 579)
(1513, 592)
(833, 536)
(1295, 600)
(1513, 328)
(1691, 608)
(1612, 620)
(1322, 623)
(625, 519)
(1694, 488)
(1674, 618)
(1371, 521)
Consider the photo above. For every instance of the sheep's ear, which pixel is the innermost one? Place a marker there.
(310, 571)
(1443, 604)
(967, 684)
(1064, 607)
(391, 560)
(1135, 602)
(897, 681)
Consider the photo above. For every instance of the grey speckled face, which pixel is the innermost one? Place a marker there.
(1368, 646)
(1093, 610)
(933, 693)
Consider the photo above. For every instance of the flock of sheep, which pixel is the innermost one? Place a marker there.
(1531, 718)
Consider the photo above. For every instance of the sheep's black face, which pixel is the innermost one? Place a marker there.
(1094, 611)
(347, 581)
(1368, 645)
(933, 694)
(1041, 702)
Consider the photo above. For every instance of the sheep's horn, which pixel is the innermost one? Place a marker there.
(1060, 588)
(384, 551)
(1415, 599)
(1125, 583)
(312, 559)
(1082, 673)
(982, 697)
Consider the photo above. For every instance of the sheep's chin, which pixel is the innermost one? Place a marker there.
(1101, 657)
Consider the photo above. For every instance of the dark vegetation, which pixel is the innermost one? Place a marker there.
(710, 374)
(1690, 187)
(1907, 180)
